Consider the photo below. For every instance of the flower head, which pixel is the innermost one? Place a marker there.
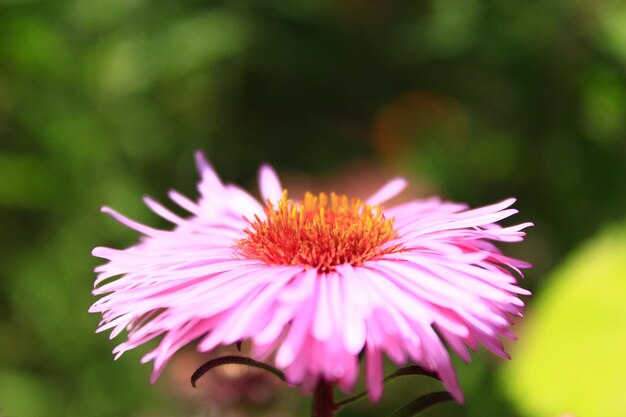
(313, 283)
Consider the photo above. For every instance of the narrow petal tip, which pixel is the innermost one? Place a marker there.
(388, 191)
(201, 161)
(98, 252)
(509, 201)
(269, 184)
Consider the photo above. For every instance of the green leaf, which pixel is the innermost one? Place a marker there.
(570, 358)
(422, 403)
(407, 371)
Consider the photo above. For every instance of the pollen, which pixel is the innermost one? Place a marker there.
(320, 231)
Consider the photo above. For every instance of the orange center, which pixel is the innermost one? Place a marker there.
(321, 231)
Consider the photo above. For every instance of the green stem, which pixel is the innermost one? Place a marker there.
(323, 402)
(236, 360)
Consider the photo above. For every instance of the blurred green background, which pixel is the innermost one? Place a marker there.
(102, 102)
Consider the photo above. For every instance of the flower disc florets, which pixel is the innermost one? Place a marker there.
(320, 231)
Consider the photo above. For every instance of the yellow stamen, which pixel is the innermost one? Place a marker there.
(321, 231)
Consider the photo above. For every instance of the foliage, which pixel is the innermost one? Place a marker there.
(575, 332)
(104, 101)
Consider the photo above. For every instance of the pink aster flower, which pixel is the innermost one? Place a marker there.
(316, 282)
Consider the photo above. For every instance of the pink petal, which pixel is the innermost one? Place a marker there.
(387, 191)
(374, 373)
(269, 184)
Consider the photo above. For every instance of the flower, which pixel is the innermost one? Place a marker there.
(315, 283)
